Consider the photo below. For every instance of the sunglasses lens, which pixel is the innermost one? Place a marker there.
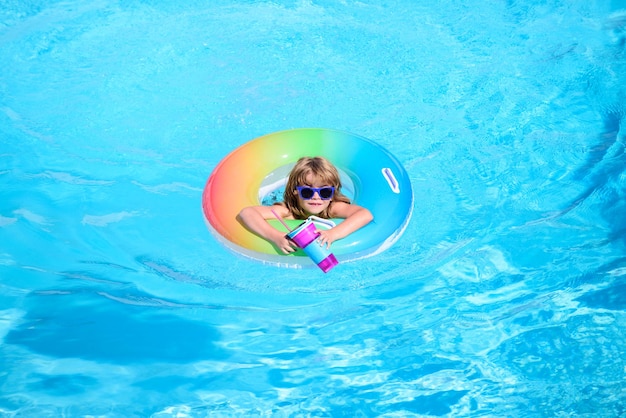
(306, 192)
(326, 193)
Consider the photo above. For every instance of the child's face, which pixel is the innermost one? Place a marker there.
(315, 205)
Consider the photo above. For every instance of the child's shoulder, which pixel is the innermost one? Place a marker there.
(339, 209)
(281, 210)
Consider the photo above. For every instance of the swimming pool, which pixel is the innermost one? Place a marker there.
(504, 297)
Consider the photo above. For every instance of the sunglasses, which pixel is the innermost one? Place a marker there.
(307, 193)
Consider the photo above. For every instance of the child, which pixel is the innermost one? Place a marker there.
(313, 188)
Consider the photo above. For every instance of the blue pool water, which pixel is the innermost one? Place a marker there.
(504, 297)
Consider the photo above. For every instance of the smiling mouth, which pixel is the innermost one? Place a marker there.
(315, 206)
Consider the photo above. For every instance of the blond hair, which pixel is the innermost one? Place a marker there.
(321, 168)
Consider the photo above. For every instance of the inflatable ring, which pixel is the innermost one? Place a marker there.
(371, 177)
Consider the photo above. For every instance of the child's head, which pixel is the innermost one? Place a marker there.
(315, 172)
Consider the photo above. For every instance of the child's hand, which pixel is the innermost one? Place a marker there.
(327, 237)
(284, 244)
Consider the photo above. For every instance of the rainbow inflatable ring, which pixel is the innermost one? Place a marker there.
(370, 176)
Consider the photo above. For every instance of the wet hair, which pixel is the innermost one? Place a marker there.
(327, 174)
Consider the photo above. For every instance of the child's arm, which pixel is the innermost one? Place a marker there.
(254, 219)
(355, 217)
